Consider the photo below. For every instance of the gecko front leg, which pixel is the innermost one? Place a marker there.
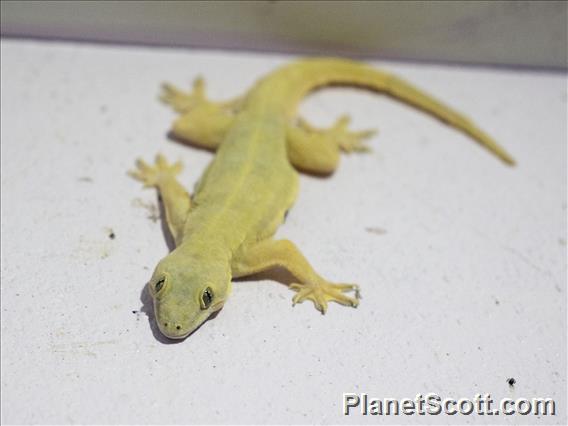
(268, 254)
(177, 201)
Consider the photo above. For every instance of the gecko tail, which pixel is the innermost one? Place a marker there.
(400, 89)
(309, 74)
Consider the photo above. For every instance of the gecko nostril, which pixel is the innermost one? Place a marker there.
(178, 327)
(165, 324)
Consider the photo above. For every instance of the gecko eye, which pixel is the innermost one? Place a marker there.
(159, 285)
(206, 298)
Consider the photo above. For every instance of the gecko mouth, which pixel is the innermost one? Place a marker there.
(171, 333)
(177, 336)
(174, 331)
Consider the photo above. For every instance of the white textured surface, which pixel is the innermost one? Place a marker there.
(465, 287)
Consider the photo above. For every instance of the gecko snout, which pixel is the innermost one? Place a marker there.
(173, 330)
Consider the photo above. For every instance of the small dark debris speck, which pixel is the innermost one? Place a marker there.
(511, 381)
(497, 302)
(376, 230)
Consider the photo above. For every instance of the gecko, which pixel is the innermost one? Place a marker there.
(225, 229)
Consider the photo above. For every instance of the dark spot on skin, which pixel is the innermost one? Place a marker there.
(497, 302)
(165, 324)
(112, 236)
(511, 381)
(178, 327)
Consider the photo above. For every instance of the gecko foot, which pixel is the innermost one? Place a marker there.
(323, 292)
(153, 175)
(181, 101)
(350, 141)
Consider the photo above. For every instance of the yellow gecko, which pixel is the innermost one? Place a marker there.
(224, 230)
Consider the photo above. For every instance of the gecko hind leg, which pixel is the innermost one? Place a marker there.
(317, 150)
(339, 135)
(202, 122)
(181, 101)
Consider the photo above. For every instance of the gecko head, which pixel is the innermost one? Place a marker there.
(185, 299)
